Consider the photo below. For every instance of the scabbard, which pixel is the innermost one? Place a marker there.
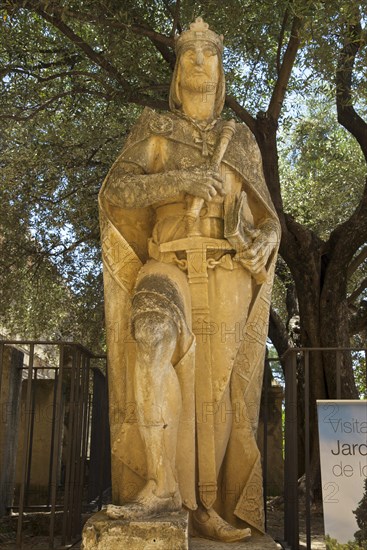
(197, 266)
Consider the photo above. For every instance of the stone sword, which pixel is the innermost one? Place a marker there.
(196, 203)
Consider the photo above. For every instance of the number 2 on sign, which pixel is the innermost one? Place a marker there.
(331, 489)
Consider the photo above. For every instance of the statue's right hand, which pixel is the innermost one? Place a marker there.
(202, 183)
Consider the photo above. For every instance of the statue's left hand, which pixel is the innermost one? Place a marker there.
(255, 256)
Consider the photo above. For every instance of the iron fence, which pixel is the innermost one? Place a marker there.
(297, 361)
(76, 456)
(62, 392)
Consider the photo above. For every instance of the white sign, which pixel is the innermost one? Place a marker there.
(343, 453)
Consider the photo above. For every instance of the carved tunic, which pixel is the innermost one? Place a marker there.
(238, 311)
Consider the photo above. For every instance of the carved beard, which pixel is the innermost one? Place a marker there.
(217, 88)
(198, 82)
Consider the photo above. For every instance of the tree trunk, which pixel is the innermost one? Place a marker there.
(322, 291)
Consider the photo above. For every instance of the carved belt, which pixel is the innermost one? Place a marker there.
(210, 222)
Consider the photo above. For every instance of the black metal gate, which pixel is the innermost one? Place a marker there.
(60, 467)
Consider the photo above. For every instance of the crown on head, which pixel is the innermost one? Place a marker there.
(199, 30)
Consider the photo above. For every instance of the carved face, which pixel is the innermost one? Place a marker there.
(199, 68)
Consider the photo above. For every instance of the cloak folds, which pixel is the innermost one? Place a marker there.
(125, 235)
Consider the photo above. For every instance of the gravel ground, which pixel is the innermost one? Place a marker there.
(275, 516)
(34, 540)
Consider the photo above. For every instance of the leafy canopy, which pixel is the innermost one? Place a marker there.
(74, 77)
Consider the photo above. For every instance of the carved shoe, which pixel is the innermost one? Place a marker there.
(211, 526)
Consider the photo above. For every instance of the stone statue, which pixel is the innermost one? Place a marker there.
(189, 238)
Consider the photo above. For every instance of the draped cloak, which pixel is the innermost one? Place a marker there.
(125, 234)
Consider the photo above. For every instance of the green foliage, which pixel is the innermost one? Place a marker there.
(56, 148)
(322, 169)
(73, 83)
(360, 535)
(361, 516)
(333, 544)
(359, 367)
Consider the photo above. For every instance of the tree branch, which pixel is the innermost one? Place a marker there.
(280, 88)
(143, 28)
(31, 71)
(278, 333)
(291, 301)
(139, 100)
(296, 239)
(358, 321)
(94, 56)
(281, 37)
(146, 102)
(241, 112)
(358, 291)
(146, 30)
(71, 247)
(48, 103)
(347, 115)
(349, 236)
(176, 19)
(163, 43)
(131, 94)
(354, 265)
(69, 60)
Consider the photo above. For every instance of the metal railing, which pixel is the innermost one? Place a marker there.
(78, 454)
(298, 360)
(77, 406)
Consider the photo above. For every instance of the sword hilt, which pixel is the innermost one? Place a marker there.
(196, 203)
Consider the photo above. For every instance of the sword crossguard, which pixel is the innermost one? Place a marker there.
(196, 248)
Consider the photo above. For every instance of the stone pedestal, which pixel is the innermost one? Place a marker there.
(254, 543)
(167, 532)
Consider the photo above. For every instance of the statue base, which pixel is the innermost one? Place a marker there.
(257, 542)
(165, 532)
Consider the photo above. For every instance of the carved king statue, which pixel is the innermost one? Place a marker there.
(189, 241)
